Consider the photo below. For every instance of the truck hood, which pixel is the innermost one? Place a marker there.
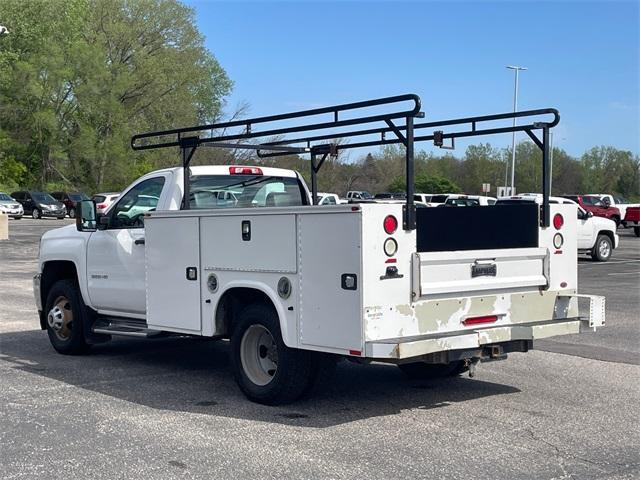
(63, 232)
(603, 223)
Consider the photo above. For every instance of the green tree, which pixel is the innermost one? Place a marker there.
(82, 76)
(425, 184)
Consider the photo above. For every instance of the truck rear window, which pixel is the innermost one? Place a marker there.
(242, 191)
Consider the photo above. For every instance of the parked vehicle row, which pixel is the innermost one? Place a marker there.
(56, 204)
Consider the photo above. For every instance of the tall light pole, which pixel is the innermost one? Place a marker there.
(513, 137)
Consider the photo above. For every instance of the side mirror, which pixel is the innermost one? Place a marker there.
(86, 216)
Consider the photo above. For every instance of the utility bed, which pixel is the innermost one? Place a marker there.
(347, 295)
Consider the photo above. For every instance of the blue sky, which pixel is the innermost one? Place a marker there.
(582, 58)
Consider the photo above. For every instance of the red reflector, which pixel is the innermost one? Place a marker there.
(355, 209)
(557, 252)
(391, 260)
(101, 205)
(355, 352)
(390, 224)
(479, 320)
(245, 171)
(558, 221)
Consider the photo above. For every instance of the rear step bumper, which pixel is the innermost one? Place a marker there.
(409, 347)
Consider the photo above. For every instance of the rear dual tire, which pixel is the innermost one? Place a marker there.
(266, 370)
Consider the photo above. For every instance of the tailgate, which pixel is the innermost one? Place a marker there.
(463, 272)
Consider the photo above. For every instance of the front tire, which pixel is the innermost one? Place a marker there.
(66, 316)
(18, 217)
(36, 214)
(266, 370)
(426, 371)
(602, 249)
(72, 212)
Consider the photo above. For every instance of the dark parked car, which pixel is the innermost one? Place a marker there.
(69, 199)
(40, 204)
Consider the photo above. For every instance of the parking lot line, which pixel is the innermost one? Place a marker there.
(607, 263)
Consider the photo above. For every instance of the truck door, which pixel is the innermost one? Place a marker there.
(115, 255)
(585, 230)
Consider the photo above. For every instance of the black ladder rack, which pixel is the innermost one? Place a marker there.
(376, 118)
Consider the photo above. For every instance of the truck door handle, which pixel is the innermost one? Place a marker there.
(139, 241)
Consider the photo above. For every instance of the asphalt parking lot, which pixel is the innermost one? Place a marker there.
(169, 408)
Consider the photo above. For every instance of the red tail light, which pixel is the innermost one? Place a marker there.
(245, 171)
(390, 224)
(101, 205)
(480, 320)
(558, 221)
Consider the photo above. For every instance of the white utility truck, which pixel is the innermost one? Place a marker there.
(295, 286)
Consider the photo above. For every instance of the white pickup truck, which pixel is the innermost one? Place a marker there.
(597, 236)
(294, 286)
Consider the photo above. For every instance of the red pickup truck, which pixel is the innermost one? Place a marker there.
(632, 217)
(597, 206)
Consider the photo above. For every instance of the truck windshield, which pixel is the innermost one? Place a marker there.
(238, 191)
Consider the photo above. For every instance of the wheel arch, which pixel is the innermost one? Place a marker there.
(237, 295)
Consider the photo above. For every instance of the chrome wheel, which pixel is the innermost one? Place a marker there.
(604, 249)
(35, 213)
(60, 318)
(259, 355)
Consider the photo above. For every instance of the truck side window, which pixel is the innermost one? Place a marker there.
(130, 209)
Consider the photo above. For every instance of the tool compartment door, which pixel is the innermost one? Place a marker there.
(173, 300)
(269, 245)
(330, 312)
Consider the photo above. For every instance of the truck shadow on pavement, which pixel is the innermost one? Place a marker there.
(194, 376)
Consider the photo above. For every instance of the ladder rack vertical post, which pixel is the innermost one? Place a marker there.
(186, 195)
(546, 178)
(314, 179)
(409, 220)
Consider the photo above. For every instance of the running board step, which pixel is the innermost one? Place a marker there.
(124, 327)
